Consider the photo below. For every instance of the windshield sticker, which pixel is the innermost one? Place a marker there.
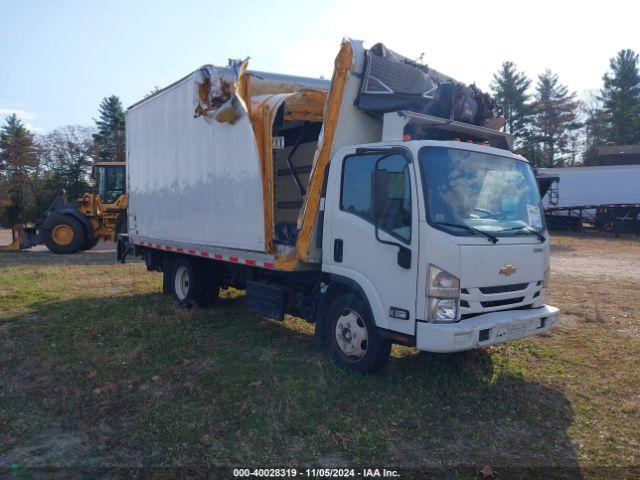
(533, 211)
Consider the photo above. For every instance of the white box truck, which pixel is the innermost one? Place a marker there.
(383, 206)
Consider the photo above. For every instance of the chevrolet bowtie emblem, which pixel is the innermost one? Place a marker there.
(508, 270)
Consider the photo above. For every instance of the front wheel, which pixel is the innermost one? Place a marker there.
(66, 235)
(353, 339)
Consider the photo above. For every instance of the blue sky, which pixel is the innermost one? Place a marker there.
(58, 58)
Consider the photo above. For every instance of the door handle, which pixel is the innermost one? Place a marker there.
(337, 250)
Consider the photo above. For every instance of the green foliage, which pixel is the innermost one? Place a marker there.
(620, 96)
(109, 141)
(17, 163)
(510, 89)
(556, 115)
(66, 161)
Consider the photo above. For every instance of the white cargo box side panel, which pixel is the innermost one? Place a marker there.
(192, 180)
(601, 185)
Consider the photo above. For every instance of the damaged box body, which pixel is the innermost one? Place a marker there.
(383, 205)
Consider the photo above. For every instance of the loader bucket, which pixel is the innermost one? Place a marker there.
(21, 238)
(16, 235)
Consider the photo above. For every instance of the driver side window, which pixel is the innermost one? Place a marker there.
(355, 198)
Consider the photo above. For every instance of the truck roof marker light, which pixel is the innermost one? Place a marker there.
(406, 138)
(249, 261)
(217, 256)
(204, 254)
(268, 264)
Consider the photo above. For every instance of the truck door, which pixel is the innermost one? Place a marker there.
(383, 265)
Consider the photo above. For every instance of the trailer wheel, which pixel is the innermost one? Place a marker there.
(353, 339)
(66, 235)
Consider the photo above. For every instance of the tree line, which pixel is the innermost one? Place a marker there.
(34, 167)
(552, 128)
(550, 125)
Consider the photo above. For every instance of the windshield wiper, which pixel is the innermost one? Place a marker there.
(527, 229)
(491, 238)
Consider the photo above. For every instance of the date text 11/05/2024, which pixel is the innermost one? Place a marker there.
(315, 473)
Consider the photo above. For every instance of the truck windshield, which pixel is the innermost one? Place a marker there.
(472, 193)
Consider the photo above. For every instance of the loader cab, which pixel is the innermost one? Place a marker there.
(111, 180)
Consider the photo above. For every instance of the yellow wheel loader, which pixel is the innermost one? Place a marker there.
(70, 226)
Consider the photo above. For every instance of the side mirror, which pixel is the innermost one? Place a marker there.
(380, 193)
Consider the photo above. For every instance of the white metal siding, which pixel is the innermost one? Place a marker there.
(580, 186)
(192, 180)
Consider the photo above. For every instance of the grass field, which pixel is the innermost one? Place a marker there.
(98, 369)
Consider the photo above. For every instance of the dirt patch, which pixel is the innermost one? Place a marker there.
(584, 256)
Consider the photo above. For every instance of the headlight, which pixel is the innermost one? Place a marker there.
(442, 284)
(443, 309)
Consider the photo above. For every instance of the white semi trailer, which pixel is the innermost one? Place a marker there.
(329, 201)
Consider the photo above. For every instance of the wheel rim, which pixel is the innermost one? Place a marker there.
(182, 283)
(351, 335)
(62, 234)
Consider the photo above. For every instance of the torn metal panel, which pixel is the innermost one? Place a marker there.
(307, 105)
(391, 82)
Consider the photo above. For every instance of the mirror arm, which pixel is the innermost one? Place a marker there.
(393, 244)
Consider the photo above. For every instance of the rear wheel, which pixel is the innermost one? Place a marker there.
(353, 339)
(183, 282)
(209, 278)
(65, 236)
(193, 282)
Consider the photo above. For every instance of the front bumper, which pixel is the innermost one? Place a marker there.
(487, 329)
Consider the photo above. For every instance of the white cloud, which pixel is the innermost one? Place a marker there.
(23, 115)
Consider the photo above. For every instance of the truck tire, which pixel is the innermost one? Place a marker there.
(89, 244)
(207, 276)
(66, 235)
(353, 341)
(184, 282)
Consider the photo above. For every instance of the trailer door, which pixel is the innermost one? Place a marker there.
(350, 246)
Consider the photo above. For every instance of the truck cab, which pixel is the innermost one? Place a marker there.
(444, 239)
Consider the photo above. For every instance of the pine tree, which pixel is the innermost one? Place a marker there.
(510, 90)
(109, 140)
(556, 115)
(621, 100)
(17, 160)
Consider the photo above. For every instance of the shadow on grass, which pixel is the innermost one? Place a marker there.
(144, 383)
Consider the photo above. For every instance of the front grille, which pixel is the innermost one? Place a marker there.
(504, 288)
(499, 303)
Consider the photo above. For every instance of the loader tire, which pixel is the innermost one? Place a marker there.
(66, 235)
(89, 244)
